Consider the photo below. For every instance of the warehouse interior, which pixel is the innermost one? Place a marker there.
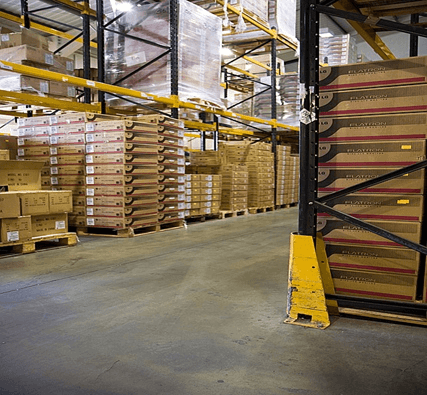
(213, 196)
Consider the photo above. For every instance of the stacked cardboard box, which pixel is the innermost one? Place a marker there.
(30, 49)
(171, 167)
(363, 146)
(26, 211)
(283, 174)
(203, 194)
(235, 186)
(294, 178)
(59, 141)
(338, 50)
(259, 160)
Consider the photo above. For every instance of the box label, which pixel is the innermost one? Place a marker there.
(90, 221)
(59, 224)
(13, 236)
(90, 169)
(53, 160)
(90, 192)
(48, 58)
(89, 201)
(89, 211)
(90, 180)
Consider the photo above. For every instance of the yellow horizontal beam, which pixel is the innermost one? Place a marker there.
(49, 102)
(43, 28)
(239, 70)
(210, 127)
(254, 22)
(366, 32)
(172, 101)
(82, 8)
(254, 61)
(192, 135)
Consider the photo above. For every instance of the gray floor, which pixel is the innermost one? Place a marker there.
(196, 311)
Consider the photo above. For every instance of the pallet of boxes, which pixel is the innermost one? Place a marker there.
(28, 48)
(126, 175)
(234, 181)
(30, 217)
(373, 121)
(258, 159)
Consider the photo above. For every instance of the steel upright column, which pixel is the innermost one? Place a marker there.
(215, 133)
(309, 116)
(413, 40)
(86, 50)
(100, 49)
(24, 13)
(174, 53)
(274, 107)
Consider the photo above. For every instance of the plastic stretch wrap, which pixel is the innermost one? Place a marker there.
(282, 15)
(256, 7)
(287, 99)
(199, 51)
(338, 50)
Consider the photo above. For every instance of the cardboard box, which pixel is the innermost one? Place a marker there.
(390, 100)
(378, 259)
(10, 205)
(70, 149)
(20, 175)
(15, 229)
(374, 74)
(336, 231)
(33, 151)
(335, 179)
(50, 224)
(374, 285)
(374, 127)
(371, 154)
(34, 202)
(9, 143)
(60, 202)
(24, 37)
(4, 154)
(120, 223)
(78, 159)
(67, 170)
(384, 207)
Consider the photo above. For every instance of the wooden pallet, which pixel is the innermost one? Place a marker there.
(288, 205)
(202, 218)
(129, 232)
(38, 244)
(257, 210)
(231, 214)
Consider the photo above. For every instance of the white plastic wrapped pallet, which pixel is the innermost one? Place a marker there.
(199, 51)
(282, 15)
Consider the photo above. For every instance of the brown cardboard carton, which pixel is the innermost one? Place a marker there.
(371, 154)
(336, 231)
(120, 223)
(60, 202)
(390, 100)
(9, 143)
(374, 285)
(50, 224)
(77, 159)
(10, 205)
(374, 74)
(374, 127)
(378, 259)
(335, 179)
(34, 202)
(24, 37)
(4, 154)
(33, 151)
(385, 207)
(21, 175)
(15, 229)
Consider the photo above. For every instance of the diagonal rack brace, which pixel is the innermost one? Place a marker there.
(371, 228)
(375, 181)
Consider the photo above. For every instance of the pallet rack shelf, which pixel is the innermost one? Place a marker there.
(367, 21)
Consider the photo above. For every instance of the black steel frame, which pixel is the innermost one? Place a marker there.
(309, 203)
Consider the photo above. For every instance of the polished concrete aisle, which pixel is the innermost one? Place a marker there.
(190, 312)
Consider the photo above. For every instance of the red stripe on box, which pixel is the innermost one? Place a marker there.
(374, 110)
(373, 293)
(374, 83)
(373, 216)
(370, 242)
(363, 138)
(382, 269)
(389, 190)
(364, 164)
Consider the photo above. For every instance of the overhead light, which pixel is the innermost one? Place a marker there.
(123, 6)
(226, 51)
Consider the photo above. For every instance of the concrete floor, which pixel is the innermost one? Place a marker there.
(196, 311)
